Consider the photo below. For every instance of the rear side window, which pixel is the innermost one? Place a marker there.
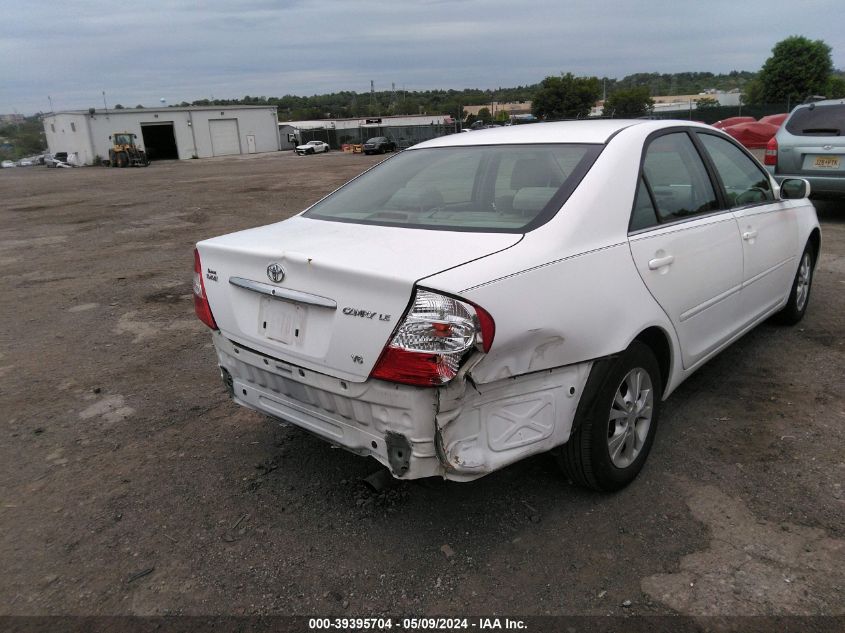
(744, 182)
(489, 188)
(676, 176)
(644, 214)
(820, 120)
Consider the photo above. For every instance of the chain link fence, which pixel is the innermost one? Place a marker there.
(403, 135)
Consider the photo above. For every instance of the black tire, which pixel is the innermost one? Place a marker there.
(586, 457)
(796, 305)
(311, 150)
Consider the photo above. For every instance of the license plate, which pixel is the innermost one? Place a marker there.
(280, 320)
(826, 162)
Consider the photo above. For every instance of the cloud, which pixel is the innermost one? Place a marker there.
(189, 50)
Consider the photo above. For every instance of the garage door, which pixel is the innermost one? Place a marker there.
(224, 137)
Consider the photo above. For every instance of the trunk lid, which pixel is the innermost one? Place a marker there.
(812, 156)
(339, 290)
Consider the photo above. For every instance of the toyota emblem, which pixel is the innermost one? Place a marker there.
(275, 272)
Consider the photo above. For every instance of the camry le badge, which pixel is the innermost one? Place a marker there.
(275, 272)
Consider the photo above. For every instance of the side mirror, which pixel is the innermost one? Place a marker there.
(109, 136)
(794, 189)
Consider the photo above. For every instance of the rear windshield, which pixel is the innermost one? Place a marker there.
(822, 120)
(489, 188)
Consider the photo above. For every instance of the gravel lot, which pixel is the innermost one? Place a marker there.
(121, 454)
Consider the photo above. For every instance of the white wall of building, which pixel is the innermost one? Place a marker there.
(87, 135)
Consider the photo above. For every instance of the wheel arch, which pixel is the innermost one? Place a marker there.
(658, 340)
(815, 240)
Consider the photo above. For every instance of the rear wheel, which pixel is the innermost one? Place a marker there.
(615, 430)
(799, 294)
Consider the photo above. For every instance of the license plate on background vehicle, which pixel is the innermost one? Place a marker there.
(826, 162)
(280, 320)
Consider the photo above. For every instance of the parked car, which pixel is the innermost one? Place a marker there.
(379, 145)
(811, 145)
(26, 162)
(312, 147)
(55, 160)
(478, 299)
(8, 163)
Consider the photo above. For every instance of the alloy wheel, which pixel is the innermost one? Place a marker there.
(630, 417)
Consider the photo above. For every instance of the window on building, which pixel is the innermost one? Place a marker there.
(53, 127)
(73, 127)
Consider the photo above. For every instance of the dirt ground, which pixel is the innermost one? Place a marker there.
(129, 484)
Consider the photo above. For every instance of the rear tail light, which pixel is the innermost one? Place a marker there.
(771, 157)
(432, 339)
(201, 306)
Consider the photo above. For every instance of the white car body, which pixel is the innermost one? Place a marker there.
(575, 290)
(312, 147)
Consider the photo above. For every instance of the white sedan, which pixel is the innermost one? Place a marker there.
(478, 299)
(312, 147)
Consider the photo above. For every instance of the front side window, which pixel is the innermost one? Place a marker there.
(677, 179)
(498, 188)
(744, 182)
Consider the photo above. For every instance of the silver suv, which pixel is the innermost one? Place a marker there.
(811, 145)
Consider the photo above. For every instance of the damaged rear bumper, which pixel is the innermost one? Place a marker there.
(460, 432)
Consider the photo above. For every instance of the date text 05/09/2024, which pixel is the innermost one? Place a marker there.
(416, 624)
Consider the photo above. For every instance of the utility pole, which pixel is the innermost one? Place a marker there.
(104, 101)
(50, 99)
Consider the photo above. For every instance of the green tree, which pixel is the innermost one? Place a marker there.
(565, 97)
(706, 103)
(25, 138)
(630, 103)
(797, 68)
(484, 116)
(753, 94)
(835, 88)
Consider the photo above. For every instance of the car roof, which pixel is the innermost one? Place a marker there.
(581, 131)
(823, 102)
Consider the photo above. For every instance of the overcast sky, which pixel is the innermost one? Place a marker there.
(146, 50)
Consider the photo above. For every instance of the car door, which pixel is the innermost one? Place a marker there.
(768, 227)
(686, 248)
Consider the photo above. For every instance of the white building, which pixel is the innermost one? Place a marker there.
(192, 132)
(683, 103)
(374, 122)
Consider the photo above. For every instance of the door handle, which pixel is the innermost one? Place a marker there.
(660, 262)
(749, 235)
